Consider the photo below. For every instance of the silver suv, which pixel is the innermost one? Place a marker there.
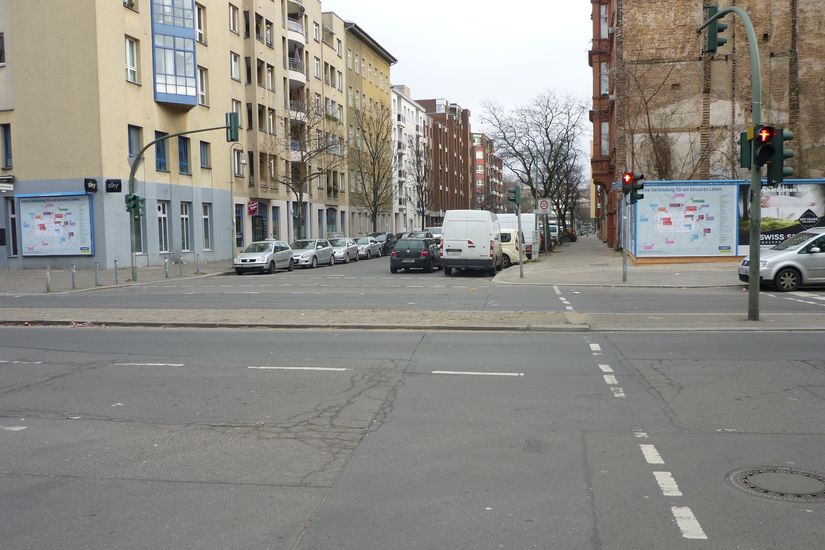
(796, 261)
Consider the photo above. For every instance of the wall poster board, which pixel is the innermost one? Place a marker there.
(57, 224)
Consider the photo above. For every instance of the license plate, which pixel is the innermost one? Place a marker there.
(453, 251)
(407, 261)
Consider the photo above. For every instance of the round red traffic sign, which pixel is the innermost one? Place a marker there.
(544, 205)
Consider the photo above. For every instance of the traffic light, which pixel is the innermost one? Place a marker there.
(514, 195)
(133, 205)
(232, 125)
(777, 171)
(745, 152)
(714, 29)
(633, 182)
(764, 148)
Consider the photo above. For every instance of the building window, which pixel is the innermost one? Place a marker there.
(316, 31)
(203, 82)
(183, 154)
(235, 66)
(5, 130)
(2, 49)
(140, 230)
(12, 248)
(206, 160)
(357, 65)
(276, 222)
(163, 226)
(206, 219)
(161, 148)
(131, 60)
(604, 78)
(175, 13)
(604, 29)
(135, 142)
(270, 78)
(185, 226)
(339, 48)
(237, 162)
(317, 68)
(200, 23)
(349, 58)
(604, 142)
(270, 121)
(175, 65)
(269, 33)
(233, 19)
(236, 108)
(340, 81)
(239, 225)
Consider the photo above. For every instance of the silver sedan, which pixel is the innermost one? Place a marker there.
(368, 247)
(344, 250)
(311, 252)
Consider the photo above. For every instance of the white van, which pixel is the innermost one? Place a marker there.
(528, 228)
(470, 239)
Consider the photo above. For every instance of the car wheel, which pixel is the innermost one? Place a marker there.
(393, 269)
(787, 280)
(492, 271)
(331, 260)
(505, 261)
(357, 257)
(314, 262)
(271, 268)
(291, 265)
(346, 258)
(429, 267)
(448, 270)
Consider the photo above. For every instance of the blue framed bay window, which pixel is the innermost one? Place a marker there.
(161, 149)
(173, 51)
(183, 155)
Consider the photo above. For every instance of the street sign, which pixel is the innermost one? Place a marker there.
(544, 206)
(252, 208)
(113, 186)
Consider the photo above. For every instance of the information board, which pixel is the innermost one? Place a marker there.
(686, 220)
(56, 225)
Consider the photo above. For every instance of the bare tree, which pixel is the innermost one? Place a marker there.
(316, 149)
(538, 142)
(418, 172)
(372, 160)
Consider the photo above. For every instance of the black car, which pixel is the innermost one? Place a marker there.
(386, 240)
(410, 253)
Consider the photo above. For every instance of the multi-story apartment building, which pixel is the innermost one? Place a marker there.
(662, 109)
(451, 167)
(152, 69)
(487, 173)
(369, 118)
(411, 190)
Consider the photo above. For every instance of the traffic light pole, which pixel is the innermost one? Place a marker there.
(756, 171)
(135, 164)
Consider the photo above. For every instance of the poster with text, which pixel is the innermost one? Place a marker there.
(56, 226)
(785, 210)
(686, 220)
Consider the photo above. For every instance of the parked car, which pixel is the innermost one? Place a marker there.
(419, 235)
(529, 229)
(386, 240)
(311, 252)
(471, 240)
(264, 256)
(797, 261)
(436, 233)
(510, 245)
(411, 253)
(368, 247)
(344, 249)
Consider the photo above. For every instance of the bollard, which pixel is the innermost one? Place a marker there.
(74, 270)
(116, 282)
(97, 273)
(197, 264)
(180, 266)
(48, 279)
(166, 268)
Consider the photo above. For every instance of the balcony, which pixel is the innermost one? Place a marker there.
(600, 50)
(295, 30)
(295, 151)
(297, 71)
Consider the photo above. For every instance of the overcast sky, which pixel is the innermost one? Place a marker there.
(470, 51)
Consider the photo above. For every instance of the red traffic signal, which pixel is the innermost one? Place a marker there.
(763, 146)
(627, 182)
(765, 134)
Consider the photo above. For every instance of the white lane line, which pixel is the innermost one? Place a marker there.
(617, 391)
(810, 295)
(667, 484)
(595, 347)
(470, 373)
(569, 308)
(610, 379)
(22, 362)
(651, 454)
(13, 428)
(244, 292)
(557, 290)
(330, 369)
(148, 364)
(606, 368)
(687, 523)
(640, 435)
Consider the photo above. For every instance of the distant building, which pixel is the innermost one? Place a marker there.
(413, 153)
(487, 168)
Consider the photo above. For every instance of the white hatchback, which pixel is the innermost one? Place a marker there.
(798, 260)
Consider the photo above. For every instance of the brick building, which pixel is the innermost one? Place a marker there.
(663, 109)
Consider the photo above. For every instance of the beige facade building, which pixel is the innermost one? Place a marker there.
(124, 74)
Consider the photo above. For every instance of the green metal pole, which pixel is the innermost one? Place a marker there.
(756, 171)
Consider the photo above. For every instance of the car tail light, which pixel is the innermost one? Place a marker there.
(492, 248)
(424, 253)
(441, 247)
(394, 253)
(529, 248)
(470, 244)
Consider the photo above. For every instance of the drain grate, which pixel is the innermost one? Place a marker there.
(780, 483)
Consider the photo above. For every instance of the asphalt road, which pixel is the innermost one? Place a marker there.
(405, 440)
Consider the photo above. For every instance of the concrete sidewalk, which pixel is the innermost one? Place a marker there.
(588, 261)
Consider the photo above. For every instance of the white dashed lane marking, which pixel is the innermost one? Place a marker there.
(667, 484)
(470, 373)
(322, 369)
(148, 364)
(650, 453)
(606, 368)
(595, 347)
(687, 523)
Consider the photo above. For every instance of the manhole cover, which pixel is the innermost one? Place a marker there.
(780, 483)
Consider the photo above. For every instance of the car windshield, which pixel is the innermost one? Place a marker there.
(419, 234)
(302, 245)
(380, 238)
(434, 230)
(255, 248)
(794, 240)
(362, 240)
(505, 237)
(338, 242)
